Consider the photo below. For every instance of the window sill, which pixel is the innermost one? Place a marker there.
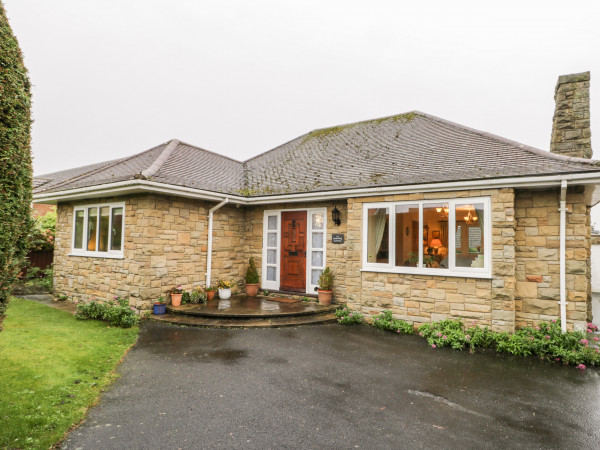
(429, 272)
(98, 255)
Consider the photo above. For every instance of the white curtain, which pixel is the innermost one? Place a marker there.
(375, 231)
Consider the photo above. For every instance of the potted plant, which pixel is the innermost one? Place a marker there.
(159, 306)
(210, 292)
(198, 295)
(225, 289)
(325, 290)
(251, 279)
(176, 294)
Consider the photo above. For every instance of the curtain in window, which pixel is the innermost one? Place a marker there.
(479, 261)
(479, 211)
(376, 234)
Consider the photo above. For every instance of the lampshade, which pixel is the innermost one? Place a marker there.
(435, 243)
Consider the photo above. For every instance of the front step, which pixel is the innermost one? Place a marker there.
(262, 322)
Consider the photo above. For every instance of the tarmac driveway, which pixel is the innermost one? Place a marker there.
(335, 387)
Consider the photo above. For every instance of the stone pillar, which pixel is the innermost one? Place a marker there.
(571, 134)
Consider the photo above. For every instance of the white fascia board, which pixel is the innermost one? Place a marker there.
(132, 187)
(137, 186)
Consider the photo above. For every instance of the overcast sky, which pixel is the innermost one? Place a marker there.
(116, 77)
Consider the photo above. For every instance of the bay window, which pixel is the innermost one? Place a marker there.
(449, 237)
(98, 230)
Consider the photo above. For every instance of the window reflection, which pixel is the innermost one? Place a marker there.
(407, 235)
(469, 235)
(378, 235)
(435, 235)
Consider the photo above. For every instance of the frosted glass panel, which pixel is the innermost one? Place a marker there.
(272, 223)
(317, 240)
(271, 273)
(314, 276)
(271, 256)
(272, 240)
(317, 221)
(317, 259)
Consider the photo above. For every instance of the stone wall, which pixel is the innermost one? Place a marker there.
(166, 241)
(423, 298)
(571, 132)
(164, 246)
(537, 251)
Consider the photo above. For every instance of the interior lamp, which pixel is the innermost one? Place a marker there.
(436, 244)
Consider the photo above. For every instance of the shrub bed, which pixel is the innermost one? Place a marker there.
(117, 312)
(385, 321)
(546, 340)
(347, 317)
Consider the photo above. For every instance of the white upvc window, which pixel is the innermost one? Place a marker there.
(317, 238)
(98, 230)
(448, 237)
(271, 253)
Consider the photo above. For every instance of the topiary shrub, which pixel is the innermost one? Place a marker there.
(251, 272)
(326, 280)
(15, 160)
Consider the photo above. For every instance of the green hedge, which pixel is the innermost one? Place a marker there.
(15, 160)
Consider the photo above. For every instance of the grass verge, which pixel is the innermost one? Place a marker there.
(52, 369)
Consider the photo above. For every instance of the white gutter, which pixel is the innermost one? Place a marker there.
(210, 227)
(133, 186)
(562, 233)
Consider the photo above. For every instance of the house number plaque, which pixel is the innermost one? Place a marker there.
(337, 238)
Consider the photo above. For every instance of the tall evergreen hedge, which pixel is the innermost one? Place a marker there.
(15, 160)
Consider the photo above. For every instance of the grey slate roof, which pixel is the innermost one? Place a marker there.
(406, 149)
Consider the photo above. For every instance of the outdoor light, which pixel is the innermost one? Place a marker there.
(335, 216)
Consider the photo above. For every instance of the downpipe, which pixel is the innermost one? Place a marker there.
(562, 236)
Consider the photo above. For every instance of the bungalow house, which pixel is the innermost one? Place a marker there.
(413, 213)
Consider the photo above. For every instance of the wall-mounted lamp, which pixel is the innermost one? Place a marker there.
(335, 216)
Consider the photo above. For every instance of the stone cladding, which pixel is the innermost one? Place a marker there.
(537, 252)
(571, 132)
(425, 298)
(166, 243)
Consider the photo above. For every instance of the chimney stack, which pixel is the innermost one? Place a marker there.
(571, 132)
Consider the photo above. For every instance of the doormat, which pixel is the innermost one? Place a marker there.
(283, 299)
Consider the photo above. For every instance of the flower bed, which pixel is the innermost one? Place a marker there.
(546, 340)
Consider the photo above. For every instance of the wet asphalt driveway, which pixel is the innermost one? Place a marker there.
(335, 387)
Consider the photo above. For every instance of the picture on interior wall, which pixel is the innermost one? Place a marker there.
(435, 234)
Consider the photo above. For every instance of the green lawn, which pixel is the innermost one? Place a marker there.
(52, 368)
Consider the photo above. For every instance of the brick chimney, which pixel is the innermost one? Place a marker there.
(571, 133)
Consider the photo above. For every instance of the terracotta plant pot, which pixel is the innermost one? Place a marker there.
(251, 290)
(224, 294)
(325, 297)
(176, 299)
(210, 295)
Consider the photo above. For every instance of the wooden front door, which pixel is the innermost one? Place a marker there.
(293, 251)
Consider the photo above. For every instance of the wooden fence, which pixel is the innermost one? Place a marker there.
(39, 258)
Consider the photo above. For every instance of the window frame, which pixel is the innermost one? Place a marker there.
(452, 270)
(275, 285)
(117, 254)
